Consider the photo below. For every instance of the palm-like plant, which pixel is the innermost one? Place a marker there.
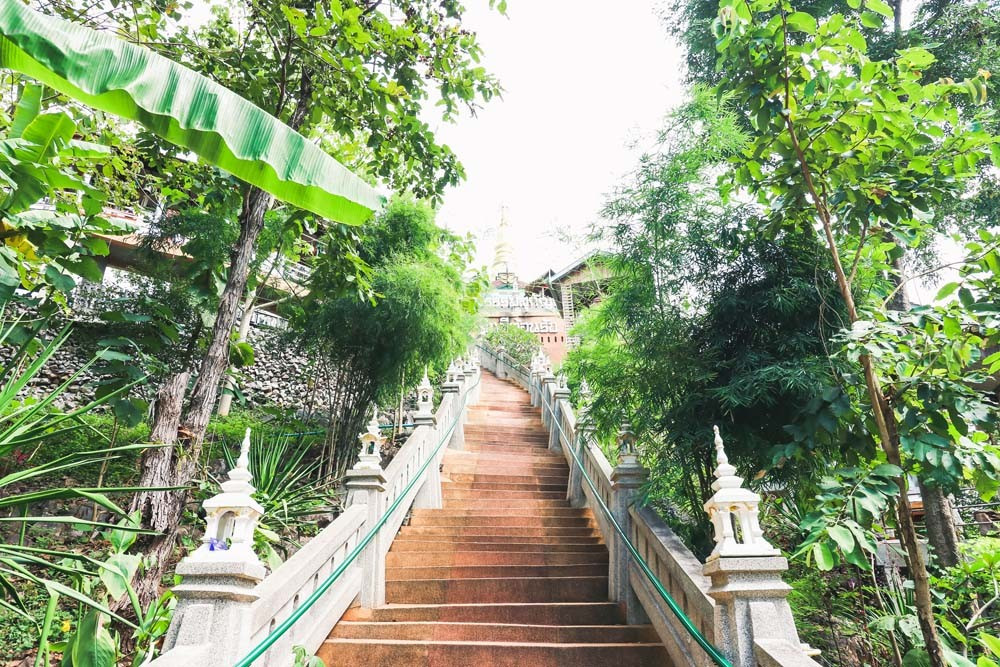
(24, 425)
(288, 488)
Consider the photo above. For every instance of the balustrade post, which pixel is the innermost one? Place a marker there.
(453, 387)
(429, 495)
(547, 383)
(533, 380)
(583, 432)
(365, 484)
(626, 480)
(213, 615)
(501, 369)
(561, 394)
(469, 371)
(751, 609)
(424, 416)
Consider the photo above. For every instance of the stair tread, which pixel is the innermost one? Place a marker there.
(506, 572)
(418, 642)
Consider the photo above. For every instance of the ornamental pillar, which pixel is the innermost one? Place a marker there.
(365, 484)
(626, 480)
(560, 399)
(216, 594)
(752, 614)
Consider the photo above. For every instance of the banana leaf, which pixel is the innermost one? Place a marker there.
(183, 107)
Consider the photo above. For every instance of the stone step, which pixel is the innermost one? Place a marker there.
(472, 494)
(463, 558)
(507, 589)
(507, 486)
(497, 531)
(543, 458)
(498, 543)
(507, 478)
(418, 570)
(503, 520)
(507, 632)
(540, 613)
(421, 653)
(473, 503)
(571, 512)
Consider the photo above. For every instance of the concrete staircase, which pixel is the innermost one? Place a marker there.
(507, 573)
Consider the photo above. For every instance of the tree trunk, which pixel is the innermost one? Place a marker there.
(885, 420)
(213, 364)
(160, 510)
(942, 533)
(226, 401)
(177, 468)
(939, 518)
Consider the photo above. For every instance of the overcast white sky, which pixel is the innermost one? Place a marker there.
(583, 81)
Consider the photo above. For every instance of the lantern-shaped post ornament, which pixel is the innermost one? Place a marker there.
(628, 454)
(232, 515)
(425, 395)
(371, 446)
(734, 514)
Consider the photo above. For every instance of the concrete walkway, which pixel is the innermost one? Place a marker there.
(507, 573)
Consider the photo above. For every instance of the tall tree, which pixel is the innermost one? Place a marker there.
(364, 71)
(855, 148)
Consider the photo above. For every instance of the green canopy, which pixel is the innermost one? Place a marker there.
(184, 108)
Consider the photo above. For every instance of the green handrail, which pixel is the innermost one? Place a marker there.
(713, 652)
(300, 611)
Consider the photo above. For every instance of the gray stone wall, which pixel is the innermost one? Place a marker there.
(279, 376)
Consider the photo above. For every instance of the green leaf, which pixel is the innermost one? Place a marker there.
(946, 291)
(91, 645)
(843, 537)
(183, 107)
(117, 572)
(880, 7)
(990, 642)
(47, 133)
(916, 657)
(871, 20)
(823, 556)
(85, 267)
(802, 22)
(28, 108)
(952, 327)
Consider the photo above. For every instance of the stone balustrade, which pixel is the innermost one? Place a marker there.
(736, 600)
(227, 604)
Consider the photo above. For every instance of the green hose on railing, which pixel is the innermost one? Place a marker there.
(323, 587)
(713, 652)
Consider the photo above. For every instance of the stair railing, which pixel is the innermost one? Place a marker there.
(230, 614)
(730, 611)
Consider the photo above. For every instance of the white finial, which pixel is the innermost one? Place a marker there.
(244, 460)
(734, 514)
(563, 381)
(371, 446)
(425, 396)
(720, 451)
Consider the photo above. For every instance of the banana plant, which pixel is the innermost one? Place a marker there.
(49, 217)
(185, 108)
